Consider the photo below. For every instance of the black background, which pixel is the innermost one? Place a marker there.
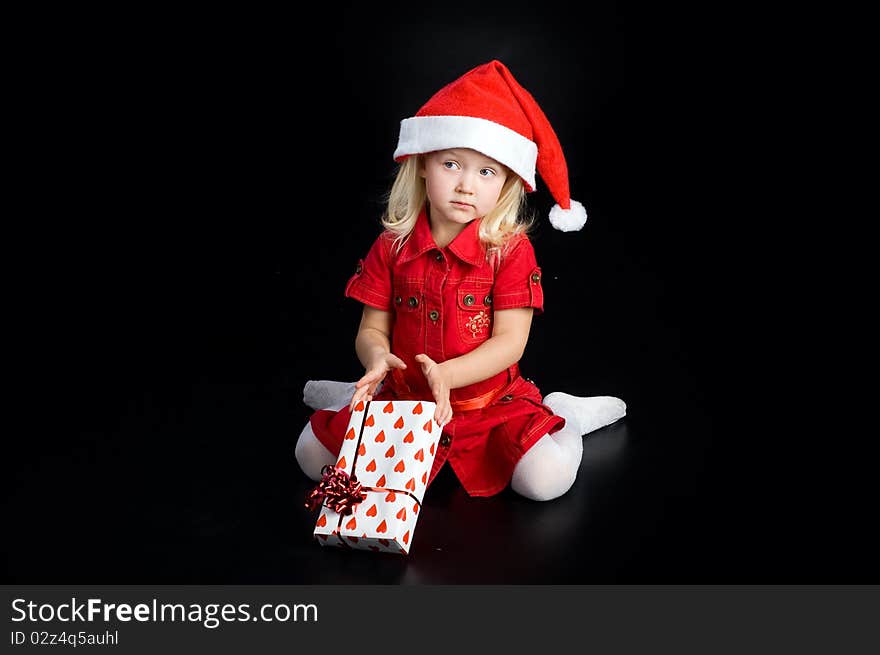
(201, 188)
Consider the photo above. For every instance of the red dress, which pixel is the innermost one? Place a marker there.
(442, 300)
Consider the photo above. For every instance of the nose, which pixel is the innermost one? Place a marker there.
(465, 183)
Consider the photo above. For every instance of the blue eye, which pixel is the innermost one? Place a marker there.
(486, 172)
(449, 164)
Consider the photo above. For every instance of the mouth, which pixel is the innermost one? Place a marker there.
(462, 205)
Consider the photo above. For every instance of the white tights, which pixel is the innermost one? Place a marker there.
(311, 455)
(546, 471)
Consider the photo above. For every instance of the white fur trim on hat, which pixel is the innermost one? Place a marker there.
(422, 134)
(568, 220)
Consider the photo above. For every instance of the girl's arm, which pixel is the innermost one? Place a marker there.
(504, 348)
(373, 347)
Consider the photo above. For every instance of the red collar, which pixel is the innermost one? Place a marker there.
(466, 246)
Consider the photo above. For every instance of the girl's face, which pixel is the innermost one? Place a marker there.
(462, 185)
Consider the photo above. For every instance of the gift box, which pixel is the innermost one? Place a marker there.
(372, 497)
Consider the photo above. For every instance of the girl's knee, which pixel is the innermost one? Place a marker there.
(545, 472)
(311, 455)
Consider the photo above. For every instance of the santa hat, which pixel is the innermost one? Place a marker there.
(487, 110)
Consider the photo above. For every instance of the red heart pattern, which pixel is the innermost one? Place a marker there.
(381, 528)
(390, 513)
(359, 407)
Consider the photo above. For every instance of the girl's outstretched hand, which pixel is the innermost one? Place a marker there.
(439, 384)
(366, 386)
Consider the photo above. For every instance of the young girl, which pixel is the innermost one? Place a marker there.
(449, 290)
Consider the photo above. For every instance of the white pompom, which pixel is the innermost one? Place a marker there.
(568, 220)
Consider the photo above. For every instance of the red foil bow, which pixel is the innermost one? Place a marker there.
(337, 490)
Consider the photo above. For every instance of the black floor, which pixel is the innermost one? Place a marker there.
(198, 485)
(173, 464)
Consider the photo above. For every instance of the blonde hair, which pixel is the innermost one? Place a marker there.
(408, 195)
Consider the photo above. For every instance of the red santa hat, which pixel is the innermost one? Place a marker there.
(487, 110)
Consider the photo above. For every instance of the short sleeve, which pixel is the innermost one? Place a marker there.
(371, 282)
(518, 280)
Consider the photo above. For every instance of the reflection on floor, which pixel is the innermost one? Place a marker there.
(197, 484)
(187, 476)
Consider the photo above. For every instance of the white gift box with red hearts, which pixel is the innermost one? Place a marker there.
(389, 447)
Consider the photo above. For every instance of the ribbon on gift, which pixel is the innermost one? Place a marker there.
(337, 490)
(342, 493)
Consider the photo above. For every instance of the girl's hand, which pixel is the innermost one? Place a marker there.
(366, 386)
(439, 383)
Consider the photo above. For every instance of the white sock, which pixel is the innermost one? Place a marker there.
(587, 414)
(327, 394)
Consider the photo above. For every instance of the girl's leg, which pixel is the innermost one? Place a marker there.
(311, 455)
(549, 468)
